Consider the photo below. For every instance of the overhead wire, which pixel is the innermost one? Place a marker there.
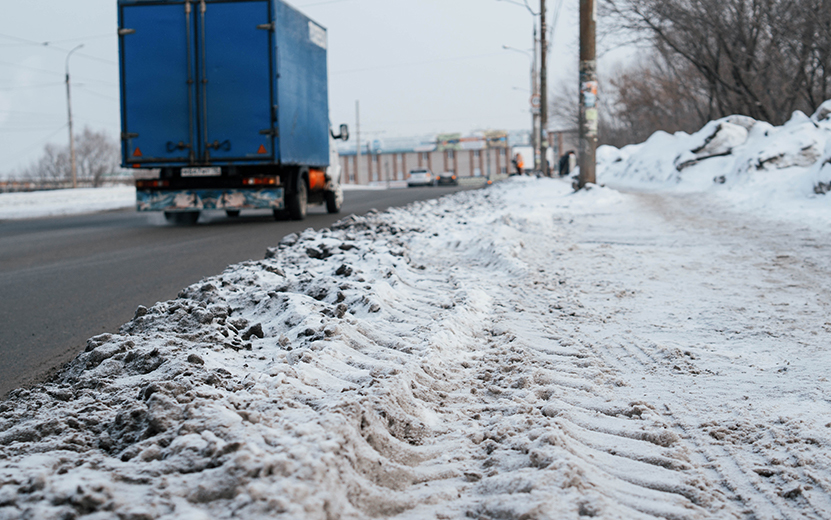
(414, 63)
(324, 3)
(556, 17)
(48, 45)
(96, 93)
(21, 113)
(55, 73)
(42, 85)
(40, 143)
(33, 129)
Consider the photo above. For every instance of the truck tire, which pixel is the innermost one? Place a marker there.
(298, 202)
(333, 202)
(182, 218)
(232, 213)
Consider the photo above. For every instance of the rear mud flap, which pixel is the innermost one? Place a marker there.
(189, 200)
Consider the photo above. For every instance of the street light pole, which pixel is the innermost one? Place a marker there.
(543, 91)
(73, 164)
(534, 94)
(535, 110)
(358, 141)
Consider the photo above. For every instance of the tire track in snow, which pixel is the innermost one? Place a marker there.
(768, 485)
(639, 472)
(330, 381)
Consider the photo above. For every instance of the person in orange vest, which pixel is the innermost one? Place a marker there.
(519, 163)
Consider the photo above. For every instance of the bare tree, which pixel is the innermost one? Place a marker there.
(51, 168)
(762, 58)
(563, 105)
(96, 154)
(653, 94)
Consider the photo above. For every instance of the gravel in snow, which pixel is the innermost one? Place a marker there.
(519, 352)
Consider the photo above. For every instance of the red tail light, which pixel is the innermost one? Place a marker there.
(146, 185)
(261, 181)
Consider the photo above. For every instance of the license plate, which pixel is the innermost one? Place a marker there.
(201, 172)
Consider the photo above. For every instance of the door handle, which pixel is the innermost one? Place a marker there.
(225, 146)
(172, 147)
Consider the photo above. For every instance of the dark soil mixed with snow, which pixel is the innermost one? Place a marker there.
(519, 352)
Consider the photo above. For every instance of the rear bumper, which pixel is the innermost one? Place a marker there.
(191, 200)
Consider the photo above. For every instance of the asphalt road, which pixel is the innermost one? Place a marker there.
(64, 280)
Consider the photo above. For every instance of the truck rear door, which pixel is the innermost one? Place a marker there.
(158, 91)
(198, 82)
(236, 81)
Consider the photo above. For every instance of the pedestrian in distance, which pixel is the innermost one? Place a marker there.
(519, 164)
(567, 163)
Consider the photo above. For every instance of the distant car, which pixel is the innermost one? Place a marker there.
(447, 179)
(420, 178)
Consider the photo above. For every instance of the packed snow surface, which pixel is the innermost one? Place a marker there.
(521, 351)
(65, 202)
(516, 352)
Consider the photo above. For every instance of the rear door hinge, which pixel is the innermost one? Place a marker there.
(126, 136)
(125, 32)
(266, 27)
(273, 132)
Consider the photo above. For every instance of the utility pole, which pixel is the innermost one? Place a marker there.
(588, 92)
(543, 91)
(358, 139)
(73, 163)
(535, 111)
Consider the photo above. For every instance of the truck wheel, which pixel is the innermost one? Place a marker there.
(298, 202)
(182, 218)
(333, 202)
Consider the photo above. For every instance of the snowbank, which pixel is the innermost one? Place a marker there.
(65, 202)
(511, 352)
(750, 164)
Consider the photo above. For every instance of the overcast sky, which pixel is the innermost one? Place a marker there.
(417, 66)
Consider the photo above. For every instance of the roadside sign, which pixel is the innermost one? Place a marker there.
(536, 102)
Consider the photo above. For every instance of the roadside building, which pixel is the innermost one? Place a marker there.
(484, 155)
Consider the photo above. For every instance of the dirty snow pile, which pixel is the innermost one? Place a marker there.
(518, 352)
(65, 202)
(751, 163)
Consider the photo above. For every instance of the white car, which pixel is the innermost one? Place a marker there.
(420, 177)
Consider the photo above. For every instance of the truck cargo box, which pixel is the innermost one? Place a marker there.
(222, 83)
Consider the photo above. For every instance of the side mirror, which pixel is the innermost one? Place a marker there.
(344, 133)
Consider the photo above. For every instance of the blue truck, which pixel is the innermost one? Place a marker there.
(227, 103)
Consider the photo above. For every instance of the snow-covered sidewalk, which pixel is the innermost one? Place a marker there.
(515, 352)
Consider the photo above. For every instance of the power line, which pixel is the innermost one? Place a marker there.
(85, 38)
(16, 130)
(38, 145)
(48, 45)
(87, 120)
(54, 73)
(17, 112)
(524, 4)
(98, 94)
(414, 63)
(323, 3)
(42, 85)
(36, 69)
